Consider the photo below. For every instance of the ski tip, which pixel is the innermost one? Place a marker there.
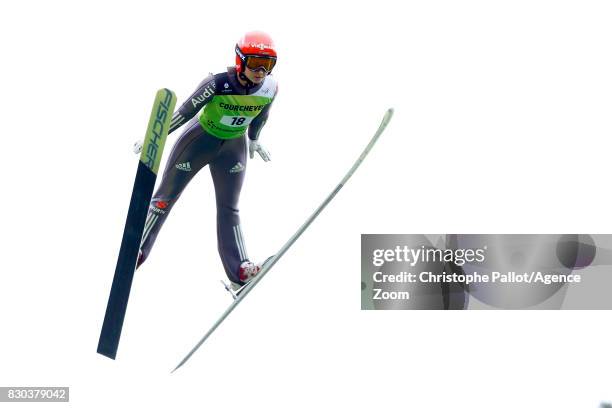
(164, 91)
(386, 119)
(389, 113)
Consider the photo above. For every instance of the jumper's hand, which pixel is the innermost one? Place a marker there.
(138, 146)
(255, 146)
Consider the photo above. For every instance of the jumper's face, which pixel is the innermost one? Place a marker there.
(255, 76)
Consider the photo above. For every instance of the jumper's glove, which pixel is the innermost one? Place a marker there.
(138, 146)
(255, 146)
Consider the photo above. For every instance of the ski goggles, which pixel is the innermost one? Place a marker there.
(256, 63)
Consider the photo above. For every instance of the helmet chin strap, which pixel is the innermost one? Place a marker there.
(249, 84)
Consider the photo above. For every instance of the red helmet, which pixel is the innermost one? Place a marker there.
(255, 50)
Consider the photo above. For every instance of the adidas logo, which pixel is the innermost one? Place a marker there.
(184, 166)
(238, 167)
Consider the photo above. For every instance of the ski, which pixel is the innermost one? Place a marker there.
(148, 166)
(268, 265)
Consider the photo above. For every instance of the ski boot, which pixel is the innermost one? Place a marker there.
(247, 271)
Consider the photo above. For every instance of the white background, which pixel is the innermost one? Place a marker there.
(502, 125)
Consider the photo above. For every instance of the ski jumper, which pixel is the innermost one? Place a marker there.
(216, 136)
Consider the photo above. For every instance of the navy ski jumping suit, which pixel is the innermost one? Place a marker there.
(204, 142)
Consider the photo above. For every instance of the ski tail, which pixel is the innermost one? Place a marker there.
(385, 121)
(146, 174)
